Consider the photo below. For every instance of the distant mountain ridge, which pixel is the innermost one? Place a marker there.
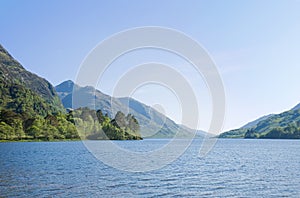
(153, 123)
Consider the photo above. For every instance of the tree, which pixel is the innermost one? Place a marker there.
(6, 131)
(100, 116)
(251, 134)
(133, 124)
(275, 133)
(120, 120)
(36, 128)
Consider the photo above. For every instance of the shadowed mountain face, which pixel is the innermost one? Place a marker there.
(153, 124)
(23, 91)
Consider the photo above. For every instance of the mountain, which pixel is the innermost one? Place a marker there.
(22, 90)
(283, 125)
(255, 122)
(30, 109)
(296, 107)
(153, 124)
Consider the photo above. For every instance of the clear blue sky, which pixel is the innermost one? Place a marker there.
(255, 44)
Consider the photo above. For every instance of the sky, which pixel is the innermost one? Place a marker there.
(255, 45)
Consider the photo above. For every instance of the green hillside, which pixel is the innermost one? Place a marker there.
(285, 125)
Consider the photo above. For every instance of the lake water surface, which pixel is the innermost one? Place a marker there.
(234, 168)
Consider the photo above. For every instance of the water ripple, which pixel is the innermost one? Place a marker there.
(234, 168)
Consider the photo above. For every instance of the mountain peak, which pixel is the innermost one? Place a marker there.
(66, 86)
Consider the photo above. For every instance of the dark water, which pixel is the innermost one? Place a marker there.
(234, 168)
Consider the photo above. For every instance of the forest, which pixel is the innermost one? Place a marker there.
(82, 123)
